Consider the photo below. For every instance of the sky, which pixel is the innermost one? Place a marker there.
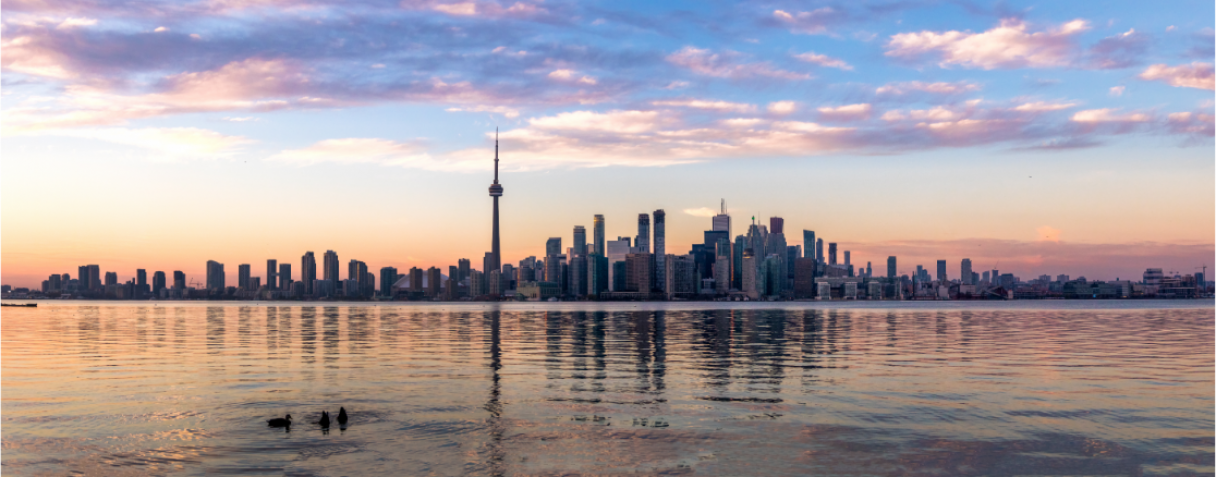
(1037, 138)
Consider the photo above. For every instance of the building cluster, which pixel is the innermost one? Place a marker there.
(761, 263)
(758, 264)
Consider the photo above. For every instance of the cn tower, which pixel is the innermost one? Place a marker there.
(495, 192)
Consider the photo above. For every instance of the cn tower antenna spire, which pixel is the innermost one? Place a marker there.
(495, 155)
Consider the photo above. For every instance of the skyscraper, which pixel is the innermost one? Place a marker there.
(284, 276)
(597, 274)
(487, 262)
(215, 275)
(642, 241)
(433, 279)
(804, 277)
(755, 240)
(721, 221)
(736, 262)
(808, 243)
(660, 249)
(776, 225)
(965, 274)
(451, 289)
(819, 250)
(578, 275)
(832, 253)
(750, 270)
(597, 235)
(82, 276)
(272, 269)
(179, 280)
(415, 280)
(848, 258)
(242, 276)
(495, 192)
(722, 266)
(891, 271)
(158, 282)
(553, 246)
(330, 268)
(941, 271)
(580, 240)
(618, 250)
(308, 271)
(141, 277)
(464, 265)
(639, 269)
(776, 246)
(95, 277)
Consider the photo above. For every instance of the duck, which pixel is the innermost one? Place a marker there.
(342, 416)
(280, 421)
(324, 422)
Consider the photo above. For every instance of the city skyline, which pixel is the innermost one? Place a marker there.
(760, 265)
(1037, 138)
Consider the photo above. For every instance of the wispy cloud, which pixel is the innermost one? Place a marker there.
(716, 105)
(823, 60)
(169, 143)
(728, 65)
(701, 212)
(848, 112)
(906, 87)
(364, 151)
(1195, 75)
(814, 22)
(1009, 45)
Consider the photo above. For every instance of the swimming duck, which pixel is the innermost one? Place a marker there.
(280, 422)
(324, 422)
(341, 416)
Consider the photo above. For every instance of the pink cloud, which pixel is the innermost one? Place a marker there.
(715, 105)
(1195, 75)
(1042, 107)
(782, 107)
(571, 76)
(1009, 45)
(725, 65)
(923, 87)
(479, 8)
(1199, 124)
(823, 60)
(1109, 115)
(616, 122)
(937, 113)
(170, 143)
(366, 151)
(814, 22)
(848, 112)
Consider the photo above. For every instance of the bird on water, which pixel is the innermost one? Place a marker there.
(342, 416)
(324, 422)
(280, 421)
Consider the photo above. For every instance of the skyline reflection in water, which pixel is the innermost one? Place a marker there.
(473, 389)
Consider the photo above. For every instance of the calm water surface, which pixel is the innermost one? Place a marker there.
(1107, 388)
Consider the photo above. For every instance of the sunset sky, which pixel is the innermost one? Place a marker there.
(1049, 137)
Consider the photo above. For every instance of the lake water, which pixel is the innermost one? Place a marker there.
(1019, 388)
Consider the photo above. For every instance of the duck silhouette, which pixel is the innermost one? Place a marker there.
(280, 421)
(324, 422)
(342, 416)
